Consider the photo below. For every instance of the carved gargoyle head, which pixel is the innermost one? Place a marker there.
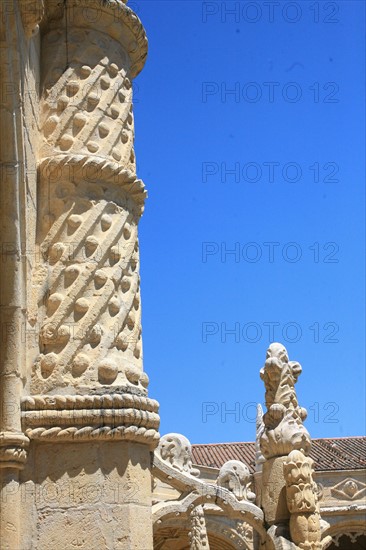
(288, 435)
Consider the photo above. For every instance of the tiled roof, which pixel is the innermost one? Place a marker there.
(344, 453)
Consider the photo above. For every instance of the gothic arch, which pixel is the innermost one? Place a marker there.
(227, 527)
(223, 534)
(347, 535)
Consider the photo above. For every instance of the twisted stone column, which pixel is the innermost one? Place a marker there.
(198, 534)
(87, 278)
(87, 406)
(86, 303)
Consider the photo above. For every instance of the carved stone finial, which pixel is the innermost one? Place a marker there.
(176, 450)
(301, 496)
(198, 533)
(235, 476)
(283, 421)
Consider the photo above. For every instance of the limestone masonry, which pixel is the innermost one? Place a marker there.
(82, 464)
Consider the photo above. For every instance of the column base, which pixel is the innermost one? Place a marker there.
(88, 495)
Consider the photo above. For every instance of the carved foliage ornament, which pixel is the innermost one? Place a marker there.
(198, 533)
(283, 421)
(301, 489)
(352, 536)
(301, 495)
(259, 429)
(245, 531)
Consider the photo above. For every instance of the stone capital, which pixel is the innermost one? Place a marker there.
(13, 450)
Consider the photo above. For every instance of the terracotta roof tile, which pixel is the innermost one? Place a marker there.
(344, 453)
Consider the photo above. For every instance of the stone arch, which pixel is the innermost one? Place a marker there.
(347, 535)
(228, 518)
(237, 533)
(222, 532)
(224, 501)
(224, 522)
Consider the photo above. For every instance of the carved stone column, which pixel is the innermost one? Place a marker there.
(88, 417)
(90, 201)
(301, 496)
(17, 184)
(198, 533)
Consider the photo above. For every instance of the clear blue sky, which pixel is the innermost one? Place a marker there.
(280, 161)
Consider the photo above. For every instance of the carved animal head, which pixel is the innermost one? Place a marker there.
(288, 435)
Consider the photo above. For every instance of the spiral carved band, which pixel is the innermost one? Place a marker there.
(91, 417)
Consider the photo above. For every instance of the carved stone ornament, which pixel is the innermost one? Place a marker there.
(86, 282)
(301, 495)
(245, 531)
(81, 418)
(352, 536)
(86, 305)
(283, 421)
(110, 16)
(176, 450)
(301, 490)
(13, 450)
(198, 533)
(349, 489)
(235, 476)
